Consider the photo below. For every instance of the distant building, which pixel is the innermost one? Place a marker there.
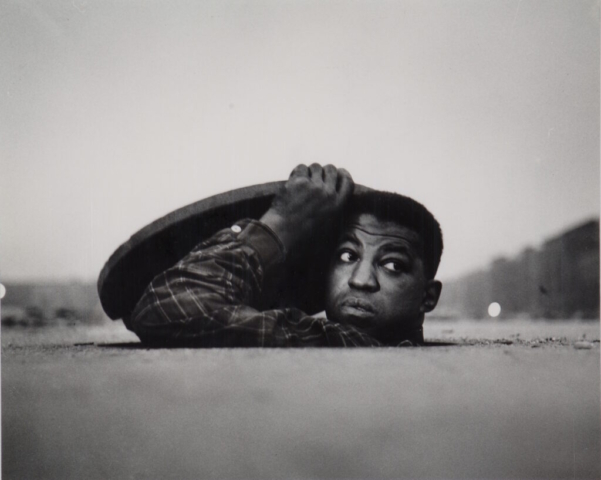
(559, 280)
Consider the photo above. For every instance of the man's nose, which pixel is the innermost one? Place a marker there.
(363, 277)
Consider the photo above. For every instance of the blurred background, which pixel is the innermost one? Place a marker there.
(113, 114)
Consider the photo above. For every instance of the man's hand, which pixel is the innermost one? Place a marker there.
(311, 197)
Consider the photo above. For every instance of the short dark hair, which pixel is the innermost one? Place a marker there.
(405, 211)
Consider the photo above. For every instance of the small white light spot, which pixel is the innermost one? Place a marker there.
(236, 228)
(494, 309)
(2, 291)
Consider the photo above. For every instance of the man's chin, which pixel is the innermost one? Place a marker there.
(357, 318)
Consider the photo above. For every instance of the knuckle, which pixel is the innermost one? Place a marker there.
(298, 180)
(346, 175)
(299, 170)
(330, 169)
(316, 169)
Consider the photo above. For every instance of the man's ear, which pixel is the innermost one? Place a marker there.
(432, 291)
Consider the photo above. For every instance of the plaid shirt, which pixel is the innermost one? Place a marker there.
(210, 299)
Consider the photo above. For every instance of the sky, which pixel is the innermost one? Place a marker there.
(114, 113)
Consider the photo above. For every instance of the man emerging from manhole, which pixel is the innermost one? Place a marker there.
(372, 257)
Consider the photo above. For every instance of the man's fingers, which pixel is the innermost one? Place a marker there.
(345, 185)
(330, 177)
(316, 173)
(335, 179)
(300, 171)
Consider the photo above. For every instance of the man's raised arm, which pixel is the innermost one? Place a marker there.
(212, 296)
(311, 197)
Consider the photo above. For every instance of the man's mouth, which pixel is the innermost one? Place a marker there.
(357, 307)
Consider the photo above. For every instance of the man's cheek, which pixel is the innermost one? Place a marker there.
(402, 296)
(332, 290)
(335, 282)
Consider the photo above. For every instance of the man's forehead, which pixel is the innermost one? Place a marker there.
(370, 225)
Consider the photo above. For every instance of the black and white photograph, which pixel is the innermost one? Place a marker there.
(300, 239)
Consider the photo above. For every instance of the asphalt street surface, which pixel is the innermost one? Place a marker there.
(486, 400)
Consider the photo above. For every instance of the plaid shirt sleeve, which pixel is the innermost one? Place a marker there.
(210, 299)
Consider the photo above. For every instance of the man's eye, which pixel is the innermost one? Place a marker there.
(393, 266)
(348, 257)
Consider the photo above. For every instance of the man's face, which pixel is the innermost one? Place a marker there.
(377, 281)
